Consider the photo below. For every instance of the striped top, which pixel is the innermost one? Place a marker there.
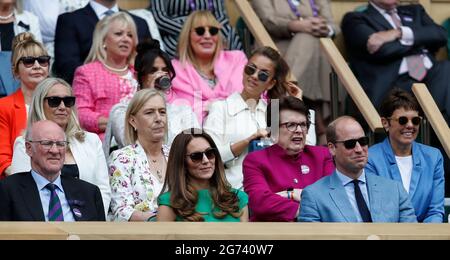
(170, 15)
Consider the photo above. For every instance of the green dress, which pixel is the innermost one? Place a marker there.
(205, 205)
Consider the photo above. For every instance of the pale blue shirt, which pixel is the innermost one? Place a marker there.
(101, 9)
(350, 190)
(44, 194)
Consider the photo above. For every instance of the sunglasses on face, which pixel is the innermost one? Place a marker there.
(200, 31)
(197, 157)
(29, 61)
(250, 70)
(351, 143)
(56, 101)
(403, 120)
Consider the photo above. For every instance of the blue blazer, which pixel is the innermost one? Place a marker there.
(327, 201)
(426, 191)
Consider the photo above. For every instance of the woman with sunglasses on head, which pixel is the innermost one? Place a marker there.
(153, 71)
(195, 185)
(137, 170)
(30, 65)
(399, 157)
(171, 15)
(107, 77)
(84, 159)
(205, 72)
(275, 176)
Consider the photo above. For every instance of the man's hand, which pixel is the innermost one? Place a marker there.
(378, 39)
(316, 26)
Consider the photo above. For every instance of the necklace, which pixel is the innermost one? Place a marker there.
(114, 69)
(156, 167)
(4, 18)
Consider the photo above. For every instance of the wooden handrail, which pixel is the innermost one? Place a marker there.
(433, 114)
(351, 84)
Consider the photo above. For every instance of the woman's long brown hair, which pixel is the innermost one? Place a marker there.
(183, 195)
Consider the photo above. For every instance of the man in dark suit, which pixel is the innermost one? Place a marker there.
(74, 34)
(43, 194)
(391, 45)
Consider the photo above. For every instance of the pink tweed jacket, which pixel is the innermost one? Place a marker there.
(188, 83)
(97, 91)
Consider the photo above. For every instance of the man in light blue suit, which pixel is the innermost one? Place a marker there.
(419, 168)
(349, 194)
(8, 84)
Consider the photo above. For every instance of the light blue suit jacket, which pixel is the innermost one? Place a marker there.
(426, 190)
(327, 201)
(8, 84)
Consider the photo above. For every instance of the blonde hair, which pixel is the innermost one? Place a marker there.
(36, 112)
(24, 45)
(98, 49)
(137, 102)
(184, 48)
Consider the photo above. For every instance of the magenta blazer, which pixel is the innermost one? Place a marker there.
(97, 91)
(229, 69)
(271, 170)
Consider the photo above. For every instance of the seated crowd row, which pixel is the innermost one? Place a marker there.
(145, 106)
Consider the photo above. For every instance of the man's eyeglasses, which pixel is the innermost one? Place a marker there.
(403, 120)
(250, 70)
(29, 61)
(197, 157)
(292, 126)
(56, 101)
(200, 31)
(351, 143)
(47, 144)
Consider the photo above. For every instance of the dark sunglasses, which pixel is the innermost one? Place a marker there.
(351, 143)
(200, 31)
(197, 157)
(263, 76)
(56, 101)
(29, 61)
(403, 120)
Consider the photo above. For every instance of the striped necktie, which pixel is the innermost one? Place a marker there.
(55, 212)
(416, 67)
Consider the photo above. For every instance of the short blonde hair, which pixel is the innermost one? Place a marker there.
(137, 102)
(98, 51)
(36, 113)
(184, 49)
(24, 45)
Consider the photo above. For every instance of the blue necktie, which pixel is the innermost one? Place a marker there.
(109, 12)
(55, 212)
(362, 206)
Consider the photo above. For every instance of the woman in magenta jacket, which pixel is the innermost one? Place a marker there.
(274, 177)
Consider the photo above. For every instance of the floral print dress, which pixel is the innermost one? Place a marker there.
(133, 186)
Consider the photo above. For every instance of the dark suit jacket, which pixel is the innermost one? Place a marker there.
(377, 72)
(73, 39)
(20, 200)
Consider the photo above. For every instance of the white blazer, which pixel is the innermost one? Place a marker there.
(27, 22)
(88, 155)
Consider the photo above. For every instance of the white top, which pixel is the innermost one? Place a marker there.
(405, 166)
(179, 118)
(27, 22)
(88, 156)
(148, 17)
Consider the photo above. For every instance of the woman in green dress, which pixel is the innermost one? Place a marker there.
(195, 184)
